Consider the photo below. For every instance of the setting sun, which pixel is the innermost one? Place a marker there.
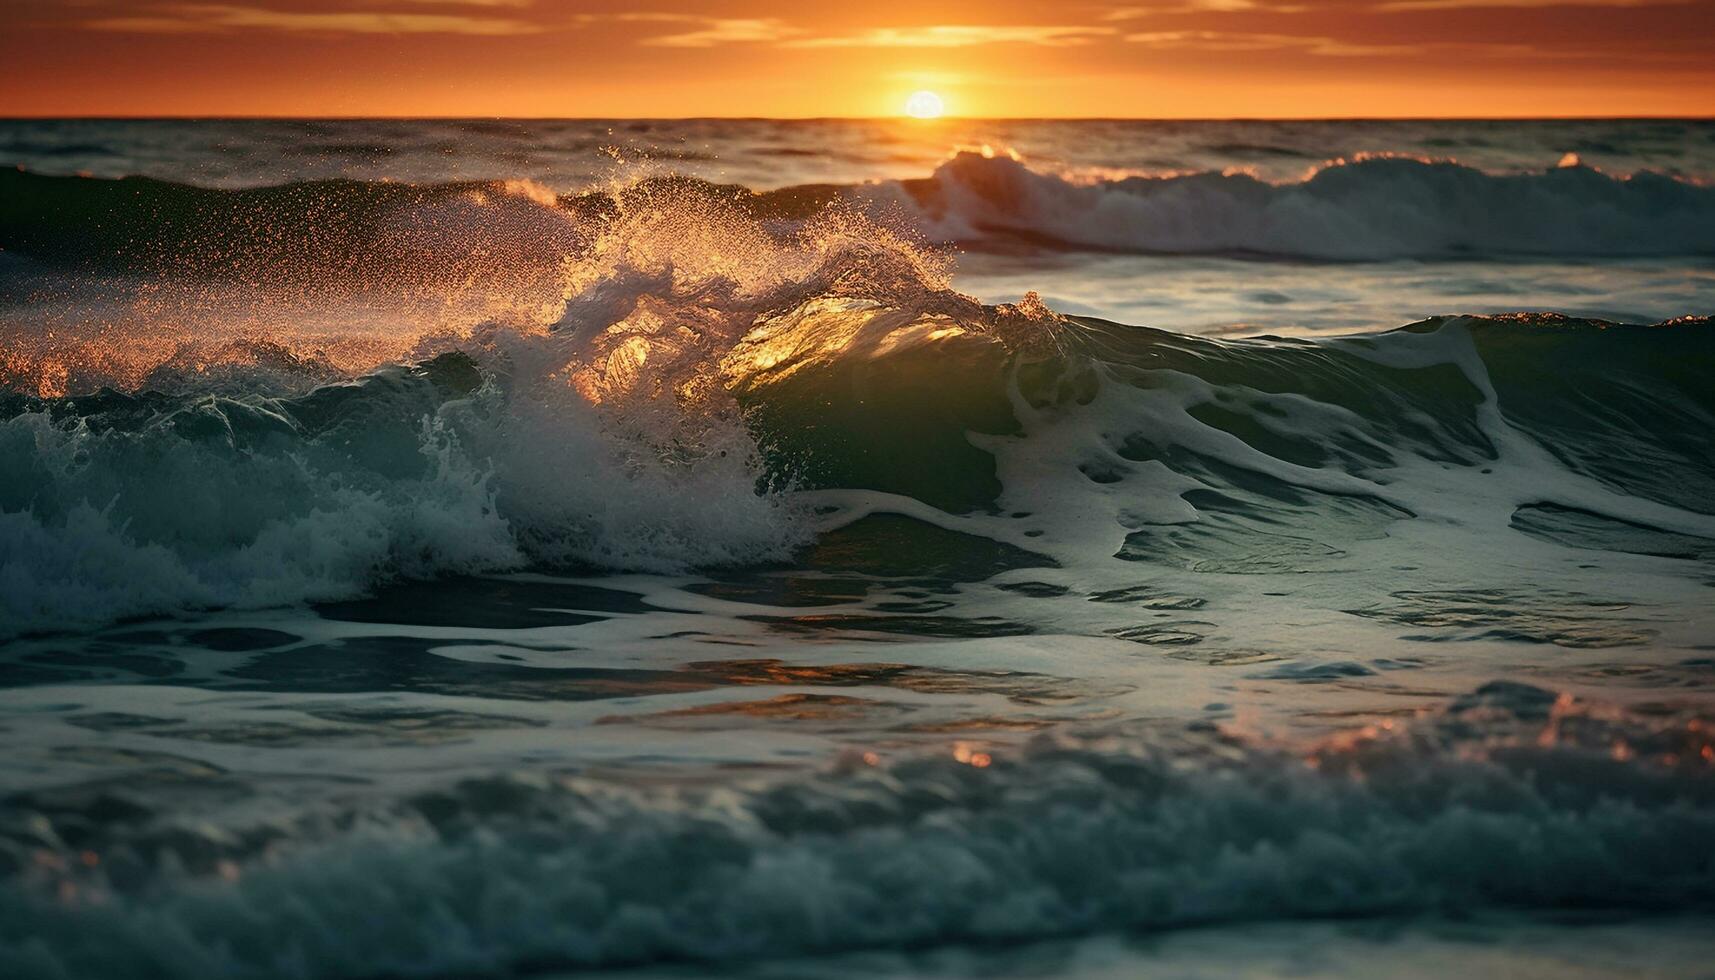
(924, 105)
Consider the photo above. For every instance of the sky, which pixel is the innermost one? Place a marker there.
(660, 58)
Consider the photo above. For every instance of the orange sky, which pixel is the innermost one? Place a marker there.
(1148, 58)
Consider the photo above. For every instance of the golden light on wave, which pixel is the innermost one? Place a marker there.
(924, 105)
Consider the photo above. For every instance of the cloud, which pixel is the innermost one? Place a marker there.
(706, 32)
(957, 36)
(1195, 7)
(1223, 40)
(1394, 6)
(698, 31)
(199, 18)
(1324, 46)
(729, 30)
(468, 3)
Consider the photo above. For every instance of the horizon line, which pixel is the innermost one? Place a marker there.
(280, 117)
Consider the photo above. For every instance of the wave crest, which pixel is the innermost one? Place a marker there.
(1370, 208)
(605, 437)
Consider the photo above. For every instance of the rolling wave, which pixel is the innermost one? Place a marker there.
(1373, 208)
(1507, 799)
(614, 446)
(1366, 209)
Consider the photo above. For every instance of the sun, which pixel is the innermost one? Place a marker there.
(924, 105)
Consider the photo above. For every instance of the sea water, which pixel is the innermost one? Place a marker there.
(440, 548)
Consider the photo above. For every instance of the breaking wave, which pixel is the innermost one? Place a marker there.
(257, 472)
(702, 366)
(1374, 208)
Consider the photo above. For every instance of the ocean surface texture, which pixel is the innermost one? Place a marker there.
(778, 549)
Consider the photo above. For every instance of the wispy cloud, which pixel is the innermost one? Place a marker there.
(1312, 45)
(1138, 11)
(467, 3)
(726, 30)
(957, 36)
(1224, 40)
(696, 31)
(199, 18)
(1403, 5)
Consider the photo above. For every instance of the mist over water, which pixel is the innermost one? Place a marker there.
(443, 549)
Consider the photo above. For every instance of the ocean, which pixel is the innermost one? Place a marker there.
(831, 548)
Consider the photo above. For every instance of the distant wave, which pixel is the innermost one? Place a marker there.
(321, 228)
(1368, 209)
(1375, 208)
